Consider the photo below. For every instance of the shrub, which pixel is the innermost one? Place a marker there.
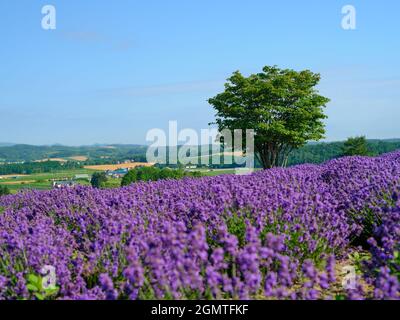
(98, 180)
(4, 191)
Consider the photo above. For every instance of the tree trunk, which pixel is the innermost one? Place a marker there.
(266, 155)
(272, 155)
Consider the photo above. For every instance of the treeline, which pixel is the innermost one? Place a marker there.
(318, 152)
(154, 174)
(25, 153)
(321, 152)
(37, 167)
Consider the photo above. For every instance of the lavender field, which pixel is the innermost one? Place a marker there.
(275, 234)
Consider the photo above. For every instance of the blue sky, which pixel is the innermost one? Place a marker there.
(112, 70)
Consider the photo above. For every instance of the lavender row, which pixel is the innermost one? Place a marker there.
(275, 234)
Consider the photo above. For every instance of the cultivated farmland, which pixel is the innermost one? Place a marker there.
(275, 234)
(111, 167)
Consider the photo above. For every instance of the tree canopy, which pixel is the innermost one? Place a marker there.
(356, 146)
(282, 106)
(98, 180)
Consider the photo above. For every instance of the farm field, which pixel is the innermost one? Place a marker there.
(9, 176)
(74, 158)
(276, 234)
(225, 154)
(52, 159)
(78, 158)
(118, 166)
(41, 181)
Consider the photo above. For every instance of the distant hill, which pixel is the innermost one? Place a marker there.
(324, 151)
(22, 152)
(391, 140)
(315, 152)
(6, 144)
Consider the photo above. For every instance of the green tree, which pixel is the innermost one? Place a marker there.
(4, 191)
(98, 180)
(281, 105)
(167, 173)
(356, 146)
(148, 174)
(129, 178)
(140, 174)
(154, 174)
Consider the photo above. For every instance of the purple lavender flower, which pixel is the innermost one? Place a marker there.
(175, 239)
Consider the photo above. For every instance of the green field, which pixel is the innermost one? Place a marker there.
(42, 181)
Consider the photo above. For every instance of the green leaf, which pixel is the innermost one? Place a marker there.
(51, 292)
(33, 279)
(39, 296)
(31, 287)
